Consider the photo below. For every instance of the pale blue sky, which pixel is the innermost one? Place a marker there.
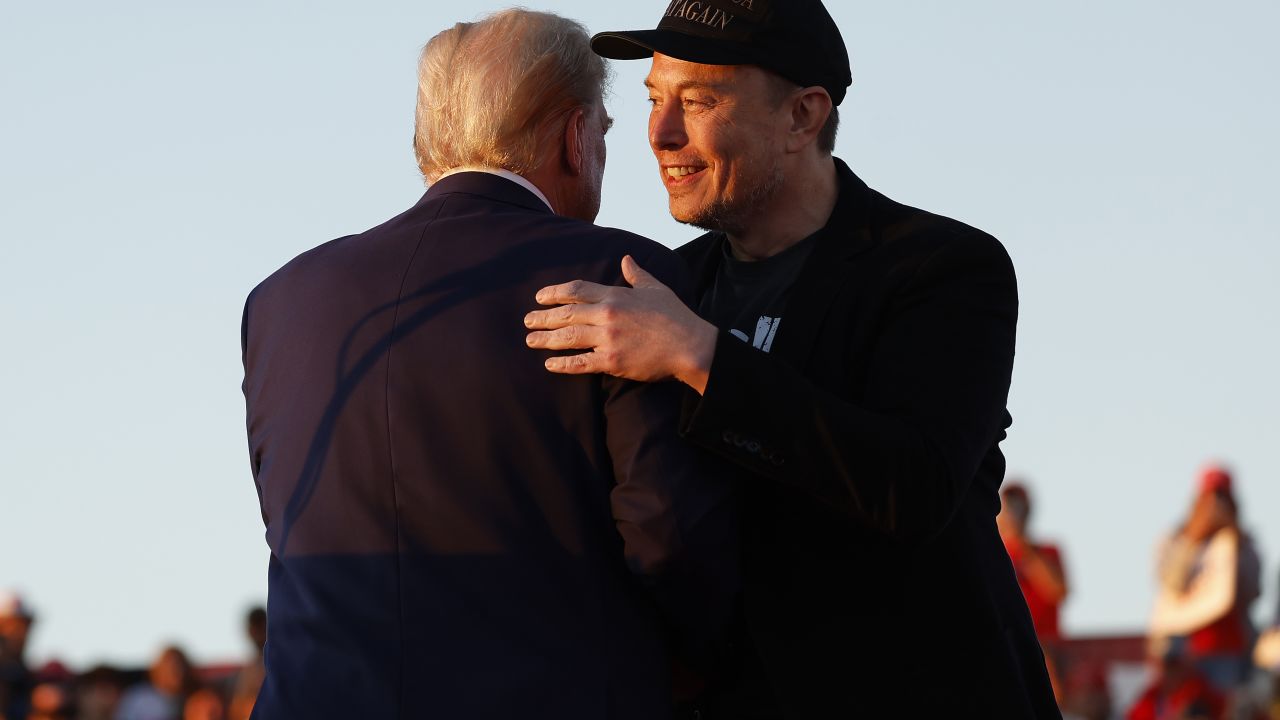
(157, 159)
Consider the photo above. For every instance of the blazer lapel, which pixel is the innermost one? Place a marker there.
(702, 256)
(845, 236)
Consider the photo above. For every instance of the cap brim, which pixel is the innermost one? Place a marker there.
(640, 44)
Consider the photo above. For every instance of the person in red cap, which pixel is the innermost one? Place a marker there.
(1208, 574)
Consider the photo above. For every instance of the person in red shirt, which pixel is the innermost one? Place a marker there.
(1040, 572)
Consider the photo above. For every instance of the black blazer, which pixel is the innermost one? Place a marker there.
(454, 531)
(876, 583)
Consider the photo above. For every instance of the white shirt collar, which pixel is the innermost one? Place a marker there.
(507, 174)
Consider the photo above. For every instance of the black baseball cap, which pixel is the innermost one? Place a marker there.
(795, 38)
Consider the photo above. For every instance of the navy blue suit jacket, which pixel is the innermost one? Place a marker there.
(454, 531)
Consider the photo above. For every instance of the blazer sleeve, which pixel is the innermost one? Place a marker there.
(251, 387)
(673, 505)
(900, 460)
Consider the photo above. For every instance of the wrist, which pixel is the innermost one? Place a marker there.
(700, 351)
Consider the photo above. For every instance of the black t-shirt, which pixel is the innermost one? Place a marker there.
(748, 298)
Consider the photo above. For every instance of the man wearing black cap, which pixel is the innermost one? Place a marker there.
(851, 355)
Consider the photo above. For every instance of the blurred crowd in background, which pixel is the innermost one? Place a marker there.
(172, 688)
(1206, 659)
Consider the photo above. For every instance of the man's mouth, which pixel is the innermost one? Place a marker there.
(682, 174)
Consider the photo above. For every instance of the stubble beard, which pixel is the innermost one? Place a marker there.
(732, 215)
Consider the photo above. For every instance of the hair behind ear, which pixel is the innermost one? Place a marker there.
(827, 138)
(781, 88)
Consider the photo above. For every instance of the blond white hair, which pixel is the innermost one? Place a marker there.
(494, 93)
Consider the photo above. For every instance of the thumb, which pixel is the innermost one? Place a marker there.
(637, 276)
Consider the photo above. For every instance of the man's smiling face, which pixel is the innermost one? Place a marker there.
(717, 132)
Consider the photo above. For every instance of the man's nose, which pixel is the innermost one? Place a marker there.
(666, 127)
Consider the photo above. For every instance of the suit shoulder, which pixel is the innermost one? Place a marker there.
(332, 261)
(910, 230)
(627, 241)
(656, 258)
(304, 266)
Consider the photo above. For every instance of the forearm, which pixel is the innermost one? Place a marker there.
(1047, 577)
(1210, 596)
(693, 368)
(1182, 614)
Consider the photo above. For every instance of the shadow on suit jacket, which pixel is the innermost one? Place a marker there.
(454, 531)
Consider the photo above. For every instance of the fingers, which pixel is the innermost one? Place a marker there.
(582, 364)
(573, 337)
(578, 291)
(552, 319)
(567, 315)
(637, 276)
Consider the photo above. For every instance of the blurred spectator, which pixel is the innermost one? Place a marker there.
(1208, 575)
(1180, 691)
(204, 704)
(1040, 574)
(54, 671)
(171, 680)
(98, 692)
(1267, 657)
(52, 701)
(16, 679)
(249, 679)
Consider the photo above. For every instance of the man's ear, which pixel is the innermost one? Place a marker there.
(575, 136)
(810, 109)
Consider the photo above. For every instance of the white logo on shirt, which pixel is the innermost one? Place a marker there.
(766, 328)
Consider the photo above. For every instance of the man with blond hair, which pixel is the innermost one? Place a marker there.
(454, 532)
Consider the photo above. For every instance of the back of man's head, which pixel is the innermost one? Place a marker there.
(494, 93)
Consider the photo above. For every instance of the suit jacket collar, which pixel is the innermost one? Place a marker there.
(846, 234)
(486, 185)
